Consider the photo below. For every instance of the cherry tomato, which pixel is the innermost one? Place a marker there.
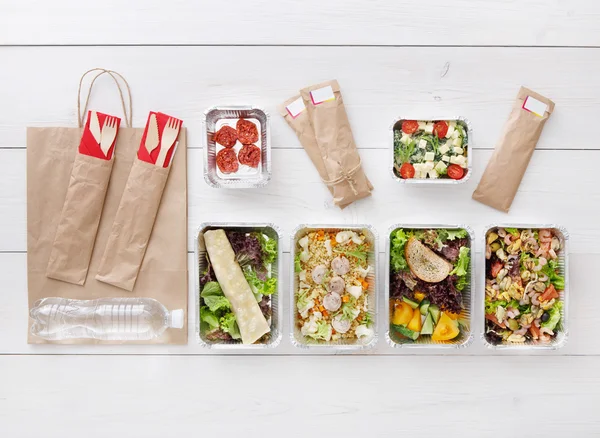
(407, 171)
(410, 126)
(549, 293)
(496, 268)
(455, 171)
(440, 129)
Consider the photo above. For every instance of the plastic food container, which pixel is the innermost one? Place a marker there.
(563, 262)
(300, 340)
(246, 177)
(201, 264)
(466, 336)
(397, 125)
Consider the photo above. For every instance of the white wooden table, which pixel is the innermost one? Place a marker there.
(418, 58)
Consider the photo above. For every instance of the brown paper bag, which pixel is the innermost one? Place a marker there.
(510, 159)
(336, 143)
(133, 224)
(163, 274)
(78, 223)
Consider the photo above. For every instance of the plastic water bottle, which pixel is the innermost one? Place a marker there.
(107, 319)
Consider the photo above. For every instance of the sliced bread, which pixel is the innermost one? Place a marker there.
(424, 263)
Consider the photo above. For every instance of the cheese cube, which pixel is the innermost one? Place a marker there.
(429, 128)
(461, 160)
(406, 138)
(429, 156)
(422, 144)
(446, 158)
(440, 167)
(456, 133)
(428, 166)
(454, 159)
(450, 131)
(457, 142)
(458, 150)
(444, 148)
(452, 124)
(433, 174)
(422, 126)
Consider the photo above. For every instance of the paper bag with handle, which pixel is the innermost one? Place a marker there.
(510, 159)
(327, 114)
(50, 161)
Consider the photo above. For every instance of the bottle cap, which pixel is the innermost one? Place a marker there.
(177, 318)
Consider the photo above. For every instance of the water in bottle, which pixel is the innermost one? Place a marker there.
(107, 319)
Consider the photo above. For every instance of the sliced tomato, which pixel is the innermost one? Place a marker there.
(496, 267)
(407, 171)
(455, 171)
(492, 317)
(410, 126)
(549, 293)
(535, 331)
(440, 129)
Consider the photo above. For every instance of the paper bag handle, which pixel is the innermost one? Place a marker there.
(80, 116)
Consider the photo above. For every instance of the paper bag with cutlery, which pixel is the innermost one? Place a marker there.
(89, 197)
(139, 204)
(80, 216)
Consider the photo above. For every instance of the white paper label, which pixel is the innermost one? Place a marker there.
(322, 95)
(535, 106)
(296, 107)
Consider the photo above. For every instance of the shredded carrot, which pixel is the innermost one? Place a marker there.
(321, 308)
(365, 284)
(325, 314)
(333, 241)
(345, 298)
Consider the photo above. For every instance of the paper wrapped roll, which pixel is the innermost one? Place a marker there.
(236, 289)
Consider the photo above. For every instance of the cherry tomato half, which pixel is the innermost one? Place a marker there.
(407, 171)
(440, 129)
(455, 171)
(410, 126)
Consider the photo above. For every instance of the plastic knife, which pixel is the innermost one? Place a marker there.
(152, 137)
(95, 126)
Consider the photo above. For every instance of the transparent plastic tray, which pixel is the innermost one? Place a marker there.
(466, 320)
(563, 262)
(212, 176)
(463, 121)
(276, 312)
(296, 336)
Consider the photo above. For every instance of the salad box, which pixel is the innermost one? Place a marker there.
(534, 265)
(251, 169)
(274, 311)
(431, 151)
(422, 303)
(347, 314)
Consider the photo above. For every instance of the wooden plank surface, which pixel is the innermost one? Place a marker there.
(310, 22)
(379, 85)
(298, 396)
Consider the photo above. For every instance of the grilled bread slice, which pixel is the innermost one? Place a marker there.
(424, 263)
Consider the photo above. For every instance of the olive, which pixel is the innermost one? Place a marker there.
(545, 316)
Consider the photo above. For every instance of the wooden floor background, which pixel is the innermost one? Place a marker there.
(429, 58)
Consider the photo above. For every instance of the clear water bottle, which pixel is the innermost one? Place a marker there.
(107, 319)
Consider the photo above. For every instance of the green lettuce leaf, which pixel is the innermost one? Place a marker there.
(216, 302)
(456, 234)
(360, 253)
(554, 319)
(462, 265)
(461, 283)
(551, 270)
(269, 248)
(209, 317)
(490, 306)
(297, 265)
(512, 231)
(229, 325)
(397, 244)
(212, 288)
(259, 287)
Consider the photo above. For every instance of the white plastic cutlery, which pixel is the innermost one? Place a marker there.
(169, 136)
(109, 132)
(152, 138)
(95, 126)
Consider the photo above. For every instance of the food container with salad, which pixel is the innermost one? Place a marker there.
(237, 147)
(431, 151)
(334, 287)
(237, 285)
(525, 287)
(429, 279)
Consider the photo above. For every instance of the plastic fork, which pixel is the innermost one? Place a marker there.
(109, 132)
(169, 135)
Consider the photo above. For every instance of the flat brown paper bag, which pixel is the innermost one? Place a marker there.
(504, 172)
(163, 274)
(338, 149)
